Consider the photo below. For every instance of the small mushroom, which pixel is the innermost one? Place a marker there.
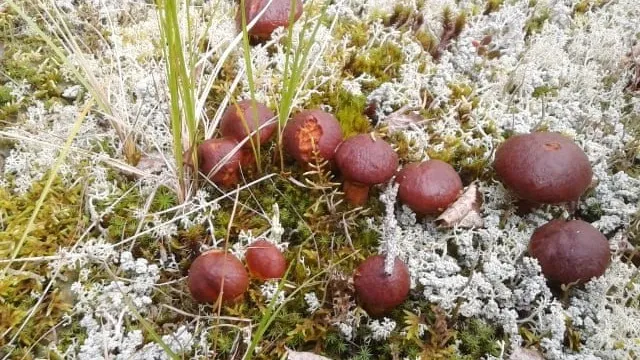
(377, 291)
(275, 16)
(428, 187)
(311, 132)
(217, 273)
(570, 251)
(265, 261)
(364, 161)
(245, 117)
(211, 153)
(543, 167)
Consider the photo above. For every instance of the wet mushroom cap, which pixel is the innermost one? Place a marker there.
(275, 16)
(211, 153)
(217, 273)
(543, 167)
(265, 261)
(241, 119)
(428, 187)
(377, 292)
(570, 251)
(312, 130)
(366, 160)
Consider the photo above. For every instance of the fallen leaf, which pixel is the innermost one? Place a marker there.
(302, 355)
(464, 212)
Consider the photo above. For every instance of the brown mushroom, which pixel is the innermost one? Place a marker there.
(570, 251)
(312, 132)
(364, 161)
(245, 117)
(543, 167)
(265, 261)
(377, 291)
(275, 16)
(217, 273)
(211, 153)
(428, 187)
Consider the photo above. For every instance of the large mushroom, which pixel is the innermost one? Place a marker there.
(218, 161)
(428, 187)
(310, 133)
(265, 261)
(215, 274)
(377, 291)
(543, 167)
(275, 16)
(364, 161)
(570, 251)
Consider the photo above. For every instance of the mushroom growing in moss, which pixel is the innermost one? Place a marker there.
(377, 291)
(543, 167)
(570, 251)
(218, 161)
(428, 187)
(275, 16)
(312, 132)
(265, 261)
(245, 117)
(364, 161)
(215, 274)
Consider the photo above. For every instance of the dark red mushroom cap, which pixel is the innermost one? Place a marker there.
(570, 251)
(312, 130)
(366, 160)
(243, 118)
(428, 187)
(378, 292)
(265, 261)
(217, 273)
(543, 167)
(275, 16)
(211, 153)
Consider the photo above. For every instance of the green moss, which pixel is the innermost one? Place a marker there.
(382, 62)
(535, 23)
(492, 6)
(477, 340)
(347, 108)
(543, 91)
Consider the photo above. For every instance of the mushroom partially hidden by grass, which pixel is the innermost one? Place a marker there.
(543, 167)
(245, 117)
(276, 15)
(570, 251)
(377, 291)
(212, 153)
(428, 187)
(265, 261)
(364, 161)
(215, 274)
(311, 133)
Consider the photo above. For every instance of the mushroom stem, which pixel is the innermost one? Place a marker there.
(356, 193)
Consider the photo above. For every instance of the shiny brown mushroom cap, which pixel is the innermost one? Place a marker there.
(309, 130)
(366, 160)
(543, 167)
(211, 153)
(243, 118)
(275, 16)
(570, 251)
(378, 293)
(428, 187)
(265, 261)
(217, 273)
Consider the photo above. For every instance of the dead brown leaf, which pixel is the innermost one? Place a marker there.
(464, 212)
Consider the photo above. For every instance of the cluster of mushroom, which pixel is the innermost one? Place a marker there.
(219, 275)
(549, 168)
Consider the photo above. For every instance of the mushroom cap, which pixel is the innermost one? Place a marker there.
(365, 160)
(570, 251)
(240, 120)
(216, 273)
(309, 130)
(378, 292)
(275, 16)
(265, 261)
(211, 152)
(543, 167)
(428, 187)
